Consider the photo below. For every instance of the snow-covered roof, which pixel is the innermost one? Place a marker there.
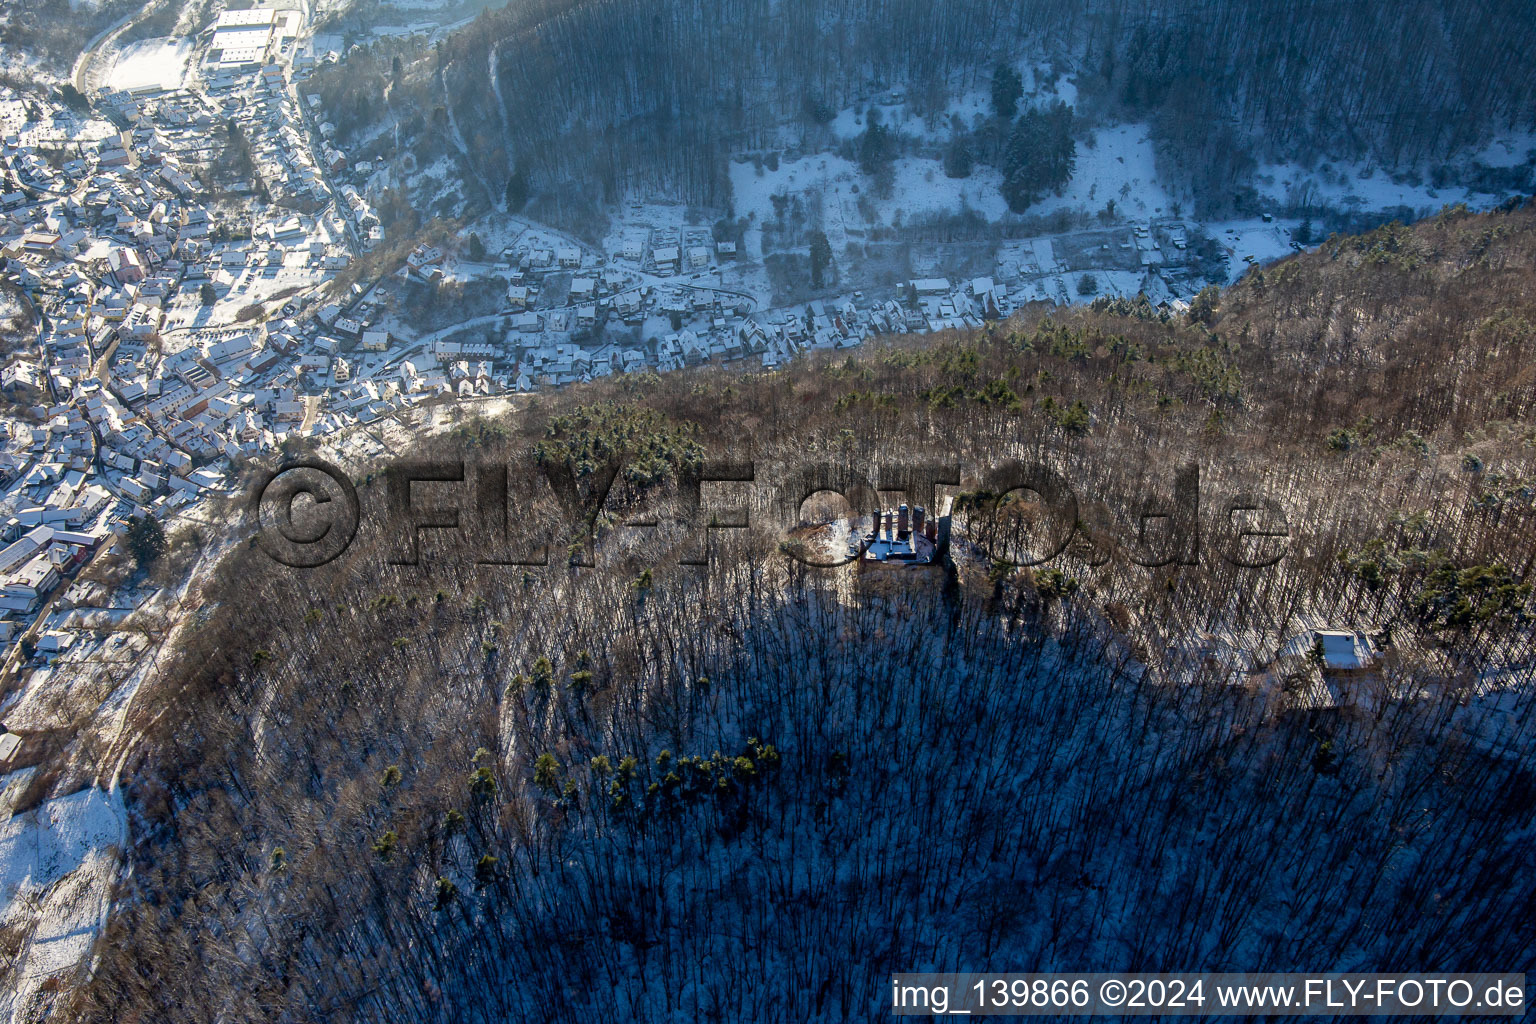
(1344, 650)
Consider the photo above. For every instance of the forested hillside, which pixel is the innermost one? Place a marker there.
(645, 790)
(608, 93)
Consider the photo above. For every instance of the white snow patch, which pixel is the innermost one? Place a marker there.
(1511, 151)
(920, 187)
(45, 844)
(1264, 241)
(1342, 185)
(1066, 91)
(151, 64)
(1120, 165)
(1346, 185)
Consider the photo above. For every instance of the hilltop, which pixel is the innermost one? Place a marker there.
(451, 792)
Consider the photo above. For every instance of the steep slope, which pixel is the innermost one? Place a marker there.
(607, 94)
(648, 790)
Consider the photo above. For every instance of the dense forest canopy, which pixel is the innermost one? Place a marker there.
(444, 792)
(606, 93)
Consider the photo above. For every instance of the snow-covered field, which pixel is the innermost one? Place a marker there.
(837, 185)
(57, 864)
(151, 63)
(1119, 164)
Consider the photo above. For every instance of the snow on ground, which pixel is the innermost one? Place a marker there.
(13, 115)
(753, 190)
(421, 28)
(1066, 91)
(40, 705)
(920, 187)
(442, 169)
(648, 212)
(463, 271)
(1342, 185)
(497, 231)
(57, 863)
(1108, 283)
(1361, 186)
(849, 122)
(69, 917)
(151, 63)
(1120, 164)
(970, 107)
(66, 129)
(1510, 151)
(319, 44)
(746, 277)
(1264, 242)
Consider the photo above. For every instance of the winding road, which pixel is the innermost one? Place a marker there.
(103, 41)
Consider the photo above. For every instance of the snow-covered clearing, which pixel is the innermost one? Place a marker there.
(838, 186)
(971, 108)
(1345, 186)
(1119, 165)
(57, 864)
(849, 122)
(1264, 241)
(1510, 151)
(151, 64)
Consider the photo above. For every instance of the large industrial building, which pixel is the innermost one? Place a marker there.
(247, 38)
